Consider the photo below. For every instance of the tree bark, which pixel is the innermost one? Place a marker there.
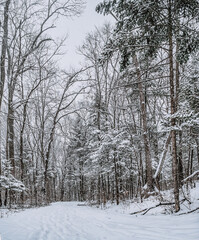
(4, 49)
(173, 110)
(2, 63)
(149, 175)
(10, 137)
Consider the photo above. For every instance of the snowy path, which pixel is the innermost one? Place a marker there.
(67, 221)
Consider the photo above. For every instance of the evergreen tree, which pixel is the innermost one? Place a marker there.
(145, 27)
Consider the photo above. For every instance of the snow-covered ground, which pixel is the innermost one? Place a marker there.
(73, 221)
(68, 221)
(189, 201)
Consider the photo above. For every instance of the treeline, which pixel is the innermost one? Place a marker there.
(35, 95)
(124, 126)
(140, 133)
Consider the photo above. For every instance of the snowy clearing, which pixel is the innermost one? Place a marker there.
(69, 221)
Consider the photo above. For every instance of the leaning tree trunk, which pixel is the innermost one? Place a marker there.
(161, 162)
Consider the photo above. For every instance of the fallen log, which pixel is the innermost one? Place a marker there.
(148, 209)
(189, 211)
(138, 211)
(158, 205)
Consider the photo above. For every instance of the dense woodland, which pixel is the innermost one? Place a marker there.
(124, 125)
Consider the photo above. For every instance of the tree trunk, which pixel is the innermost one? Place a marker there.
(197, 150)
(149, 175)
(2, 64)
(173, 110)
(163, 156)
(10, 135)
(4, 49)
(180, 165)
(116, 182)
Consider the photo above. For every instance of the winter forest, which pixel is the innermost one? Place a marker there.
(123, 126)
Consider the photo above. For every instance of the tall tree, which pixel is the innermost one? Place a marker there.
(155, 25)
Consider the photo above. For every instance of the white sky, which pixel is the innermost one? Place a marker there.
(77, 28)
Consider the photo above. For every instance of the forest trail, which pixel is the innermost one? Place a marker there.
(68, 221)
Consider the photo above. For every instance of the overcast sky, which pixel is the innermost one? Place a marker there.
(77, 28)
